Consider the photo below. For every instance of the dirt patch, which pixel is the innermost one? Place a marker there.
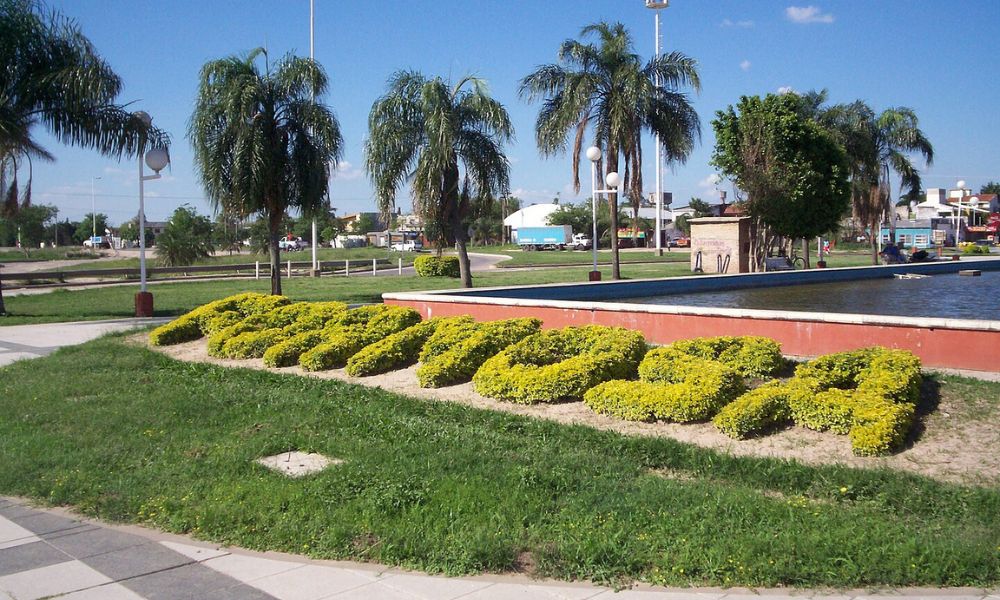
(946, 445)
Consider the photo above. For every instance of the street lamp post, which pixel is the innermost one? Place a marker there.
(611, 180)
(658, 5)
(93, 212)
(958, 220)
(156, 159)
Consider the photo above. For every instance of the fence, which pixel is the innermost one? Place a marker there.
(257, 269)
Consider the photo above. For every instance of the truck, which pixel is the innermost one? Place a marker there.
(553, 237)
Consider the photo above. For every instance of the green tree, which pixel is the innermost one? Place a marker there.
(227, 233)
(30, 226)
(605, 91)
(364, 224)
(793, 172)
(54, 79)
(186, 238)
(448, 140)
(262, 145)
(990, 188)
(877, 145)
(86, 227)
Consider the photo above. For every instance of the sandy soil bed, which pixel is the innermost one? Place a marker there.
(957, 442)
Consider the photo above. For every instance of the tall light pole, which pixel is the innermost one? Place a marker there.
(93, 211)
(611, 180)
(658, 5)
(156, 159)
(312, 54)
(958, 221)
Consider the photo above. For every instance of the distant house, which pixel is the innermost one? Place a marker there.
(349, 221)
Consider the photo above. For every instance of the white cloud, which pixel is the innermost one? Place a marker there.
(745, 65)
(786, 89)
(739, 24)
(807, 14)
(345, 171)
(709, 182)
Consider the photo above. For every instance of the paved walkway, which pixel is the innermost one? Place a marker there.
(32, 341)
(52, 554)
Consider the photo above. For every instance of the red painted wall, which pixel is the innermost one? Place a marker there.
(943, 348)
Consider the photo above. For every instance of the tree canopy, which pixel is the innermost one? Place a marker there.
(262, 144)
(604, 91)
(794, 173)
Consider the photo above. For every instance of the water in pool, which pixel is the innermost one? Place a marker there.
(947, 296)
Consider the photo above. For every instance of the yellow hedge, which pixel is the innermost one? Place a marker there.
(346, 335)
(468, 347)
(751, 356)
(287, 352)
(205, 319)
(396, 351)
(755, 411)
(560, 364)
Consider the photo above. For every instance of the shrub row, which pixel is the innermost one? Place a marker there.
(673, 386)
(435, 266)
(396, 351)
(457, 351)
(751, 356)
(209, 317)
(560, 364)
(869, 394)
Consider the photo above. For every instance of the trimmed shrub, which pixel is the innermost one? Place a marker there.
(217, 341)
(755, 411)
(560, 364)
(396, 351)
(318, 315)
(674, 386)
(206, 318)
(252, 344)
(751, 356)
(287, 353)
(447, 335)
(220, 321)
(870, 394)
(339, 344)
(434, 266)
(471, 347)
(178, 331)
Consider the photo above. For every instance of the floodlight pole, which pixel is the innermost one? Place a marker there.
(658, 5)
(312, 53)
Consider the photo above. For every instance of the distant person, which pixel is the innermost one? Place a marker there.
(917, 255)
(891, 255)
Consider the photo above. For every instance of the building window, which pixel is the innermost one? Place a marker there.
(920, 240)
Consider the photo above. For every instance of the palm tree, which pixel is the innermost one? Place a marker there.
(262, 145)
(53, 79)
(877, 146)
(445, 140)
(606, 91)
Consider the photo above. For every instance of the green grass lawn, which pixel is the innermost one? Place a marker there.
(324, 254)
(43, 254)
(126, 434)
(176, 298)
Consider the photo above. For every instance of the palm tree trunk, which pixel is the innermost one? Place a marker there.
(464, 267)
(275, 255)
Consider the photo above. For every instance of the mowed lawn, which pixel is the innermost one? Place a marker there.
(126, 434)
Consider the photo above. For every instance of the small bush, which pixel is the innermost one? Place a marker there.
(287, 352)
(220, 321)
(396, 351)
(459, 362)
(205, 319)
(447, 335)
(751, 356)
(560, 364)
(217, 340)
(755, 411)
(178, 331)
(434, 266)
(345, 335)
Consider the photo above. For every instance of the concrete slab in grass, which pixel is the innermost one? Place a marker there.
(298, 464)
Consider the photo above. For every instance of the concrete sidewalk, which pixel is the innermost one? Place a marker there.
(50, 553)
(32, 341)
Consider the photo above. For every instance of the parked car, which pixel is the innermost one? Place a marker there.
(293, 245)
(681, 242)
(407, 246)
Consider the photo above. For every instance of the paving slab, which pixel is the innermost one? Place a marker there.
(434, 588)
(12, 534)
(249, 568)
(195, 553)
(29, 556)
(136, 561)
(194, 581)
(110, 591)
(90, 541)
(51, 581)
(515, 591)
(41, 523)
(312, 582)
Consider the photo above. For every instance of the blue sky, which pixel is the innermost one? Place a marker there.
(936, 57)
